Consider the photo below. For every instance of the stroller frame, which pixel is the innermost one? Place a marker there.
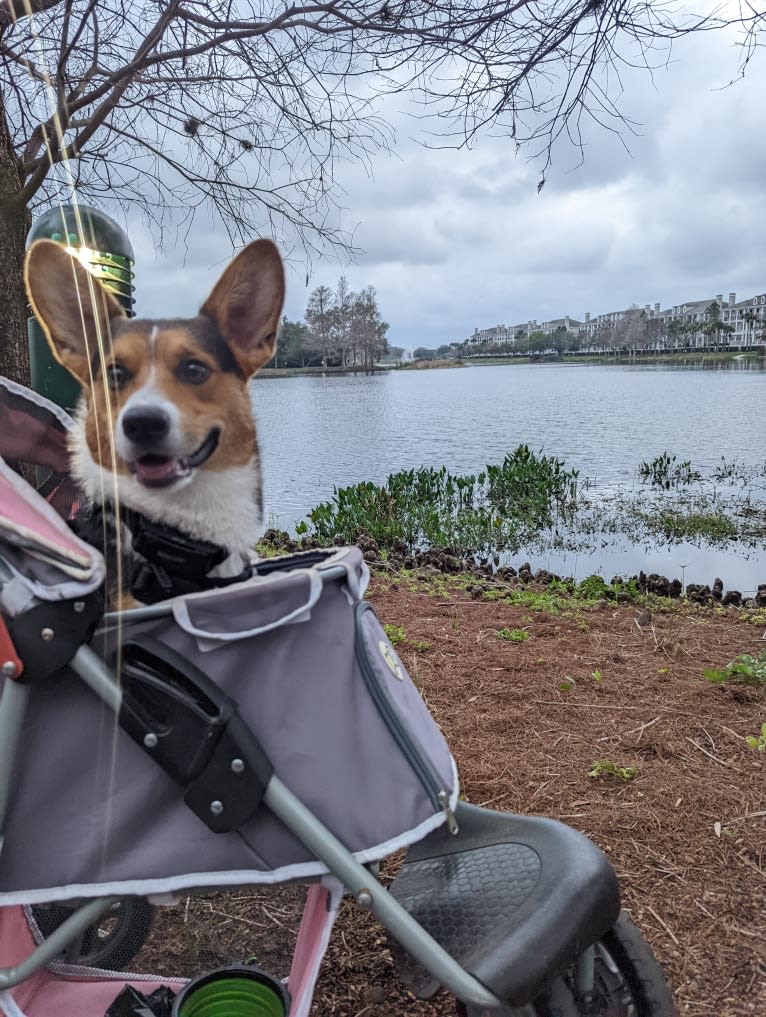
(355, 877)
(516, 915)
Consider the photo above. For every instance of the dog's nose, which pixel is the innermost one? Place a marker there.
(146, 426)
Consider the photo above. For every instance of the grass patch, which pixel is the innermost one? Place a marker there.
(758, 742)
(606, 768)
(395, 633)
(420, 645)
(743, 670)
(512, 635)
(710, 526)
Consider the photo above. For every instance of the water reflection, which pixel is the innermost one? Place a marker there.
(317, 433)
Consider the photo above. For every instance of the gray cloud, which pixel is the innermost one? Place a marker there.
(454, 240)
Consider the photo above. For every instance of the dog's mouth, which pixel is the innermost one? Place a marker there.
(155, 471)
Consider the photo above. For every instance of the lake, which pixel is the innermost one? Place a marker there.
(320, 432)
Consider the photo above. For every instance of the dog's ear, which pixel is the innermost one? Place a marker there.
(246, 304)
(73, 308)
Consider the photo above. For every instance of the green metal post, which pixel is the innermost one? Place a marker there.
(101, 244)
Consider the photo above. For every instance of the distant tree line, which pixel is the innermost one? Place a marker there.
(341, 329)
(557, 341)
(634, 331)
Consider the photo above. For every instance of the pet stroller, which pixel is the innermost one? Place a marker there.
(256, 734)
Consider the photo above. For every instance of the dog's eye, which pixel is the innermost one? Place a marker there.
(117, 376)
(194, 372)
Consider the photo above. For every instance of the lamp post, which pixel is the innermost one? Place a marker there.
(104, 248)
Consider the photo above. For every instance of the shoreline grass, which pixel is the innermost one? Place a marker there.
(533, 506)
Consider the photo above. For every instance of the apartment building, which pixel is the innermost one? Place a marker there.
(509, 334)
(746, 317)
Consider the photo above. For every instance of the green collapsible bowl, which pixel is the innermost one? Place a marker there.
(239, 990)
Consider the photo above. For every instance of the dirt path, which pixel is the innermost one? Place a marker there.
(526, 718)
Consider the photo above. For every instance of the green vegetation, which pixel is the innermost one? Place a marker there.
(665, 472)
(734, 470)
(513, 635)
(677, 525)
(533, 502)
(743, 670)
(429, 365)
(593, 588)
(395, 633)
(432, 508)
(531, 487)
(758, 742)
(419, 645)
(606, 768)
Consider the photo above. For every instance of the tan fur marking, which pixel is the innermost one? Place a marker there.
(222, 402)
(132, 349)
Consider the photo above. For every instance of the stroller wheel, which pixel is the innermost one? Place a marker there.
(628, 983)
(111, 942)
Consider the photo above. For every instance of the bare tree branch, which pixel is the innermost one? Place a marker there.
(248, 105)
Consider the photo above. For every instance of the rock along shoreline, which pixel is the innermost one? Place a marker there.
(621, 589)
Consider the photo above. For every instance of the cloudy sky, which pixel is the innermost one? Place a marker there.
(458, 240)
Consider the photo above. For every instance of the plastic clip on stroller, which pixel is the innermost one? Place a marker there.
(193, 730)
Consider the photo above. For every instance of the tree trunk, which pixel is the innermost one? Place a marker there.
(14, 226)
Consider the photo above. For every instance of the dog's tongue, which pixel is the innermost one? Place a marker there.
(153, 469)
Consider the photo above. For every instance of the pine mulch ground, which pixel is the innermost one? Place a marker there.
(687, 835)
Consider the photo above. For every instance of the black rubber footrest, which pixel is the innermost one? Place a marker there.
(513, 899)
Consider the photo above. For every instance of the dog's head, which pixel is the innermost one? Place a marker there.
(166, 406)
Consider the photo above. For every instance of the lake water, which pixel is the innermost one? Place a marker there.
(320, 432)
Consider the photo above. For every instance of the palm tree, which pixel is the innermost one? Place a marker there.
(750, 318)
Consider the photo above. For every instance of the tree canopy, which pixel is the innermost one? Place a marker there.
(246, 106)
(342, 329)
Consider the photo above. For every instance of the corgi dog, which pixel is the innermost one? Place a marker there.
(164, 447)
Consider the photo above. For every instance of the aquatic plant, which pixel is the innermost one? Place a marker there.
(664, 471)
(711, 526)
(531, 486)
(433, 508)
(533, 502)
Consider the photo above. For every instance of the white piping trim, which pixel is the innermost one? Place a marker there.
(236, 877)
(27, 393)
(9, 1006)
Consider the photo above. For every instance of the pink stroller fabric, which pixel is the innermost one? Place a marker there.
(68, 992)
(34, 433)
